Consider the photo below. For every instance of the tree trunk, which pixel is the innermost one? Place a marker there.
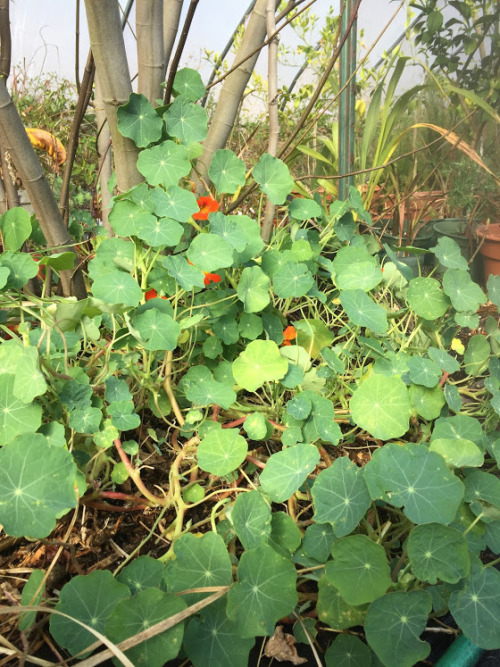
(150, 49)
(233, 90)
(171, 17)
(106, 42)
(104, 153)
(15, 141)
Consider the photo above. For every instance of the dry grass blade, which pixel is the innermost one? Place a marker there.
(462, 145)
(154, 630)
(112, 649)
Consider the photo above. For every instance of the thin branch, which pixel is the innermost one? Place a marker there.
(5, 40)
(261, 46)
(180, 47)
(226, 50)
(81, 107)
(77, 46)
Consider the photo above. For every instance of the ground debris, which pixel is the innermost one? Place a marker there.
(281, 646)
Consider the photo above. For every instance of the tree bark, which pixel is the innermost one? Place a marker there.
(150, 49)
(15, 141)
(272, 101)
(232, 91)
(104, 153)
(171, 18)
(108, 48)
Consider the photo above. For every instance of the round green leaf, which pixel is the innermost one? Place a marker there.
(117, 287)
(227, 226)
(138, 121)
(89, 599)
(460, 427)
(253, 289)
(449, 254)
(317, 541)
(175, 203)
(123, 416)
(251, 519)
(16, 416)
(363, 311)
(334, 610)
(129, 617)
(211, 639)
(427, 402)
(15, 225)
(158, 330)
(304, 209)
(413, 477)
(250, 326)
(260, 362)
(222, 451)
(186, 121)
(164, 164)
(381, 406)
(463, 292)
(476, 355)
(273, 177)
(444, 360)
(356, 269)
(227, 171)
(36, 484)
(202, 389)
(287, 470)
(143, 572)
(393, 625)
(476, 608)
(423, 371)
(182, 272)
(256, 426)
(86, 420)
(348, 651)
(426, 298)
(199, 562)
(359, 570)
(313, 335)
(188, 83)
(285, 536)
(458, 453)
(265, 591)
(210, 252)
(160, 232)
(292, 280)
(438, 552)
(21, 268)
(340, 496)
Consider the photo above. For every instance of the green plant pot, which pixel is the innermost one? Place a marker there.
(425, 237)
(456, 229)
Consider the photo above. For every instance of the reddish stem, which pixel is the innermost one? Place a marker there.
(113, 508)
(236, 422)
(443, 379)
(276, 425)
(255, 461)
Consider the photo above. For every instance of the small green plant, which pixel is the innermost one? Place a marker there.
(329, 431)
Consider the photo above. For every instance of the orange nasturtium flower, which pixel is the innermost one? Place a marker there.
(289, 334)
(207, 205)
(152, 294)
(211, 278)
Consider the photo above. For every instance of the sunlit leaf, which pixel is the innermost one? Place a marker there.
(227, 171)
(285, 471)
(381, 406)
(438, 552)
(273, 177)
(138, 121)
(186, 121)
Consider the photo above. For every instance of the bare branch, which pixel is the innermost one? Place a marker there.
(180, 47)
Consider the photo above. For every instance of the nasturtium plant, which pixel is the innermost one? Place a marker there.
(292, 430)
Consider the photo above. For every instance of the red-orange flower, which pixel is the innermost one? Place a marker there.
(289, 334)
(152, 294)
(211, 278)
(207, 205)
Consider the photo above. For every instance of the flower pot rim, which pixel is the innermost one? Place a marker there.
(489, 232)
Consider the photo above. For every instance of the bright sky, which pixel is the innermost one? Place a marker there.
(43, 33)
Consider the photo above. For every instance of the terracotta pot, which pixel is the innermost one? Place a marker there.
(489, 237)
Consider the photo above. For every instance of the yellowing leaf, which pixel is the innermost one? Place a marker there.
(47, 142)
(457, 346)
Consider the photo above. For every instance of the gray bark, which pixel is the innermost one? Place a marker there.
(104, 152)
(150, 49)
(16, 143)
(106, 42)
(233, 90)
(272, 101)
(171, 17)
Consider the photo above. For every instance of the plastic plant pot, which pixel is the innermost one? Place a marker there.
(489, 237)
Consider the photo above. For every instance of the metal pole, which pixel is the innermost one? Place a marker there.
(347, 101)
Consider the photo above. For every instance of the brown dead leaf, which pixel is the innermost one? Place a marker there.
(47, 142)
(281, 646)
